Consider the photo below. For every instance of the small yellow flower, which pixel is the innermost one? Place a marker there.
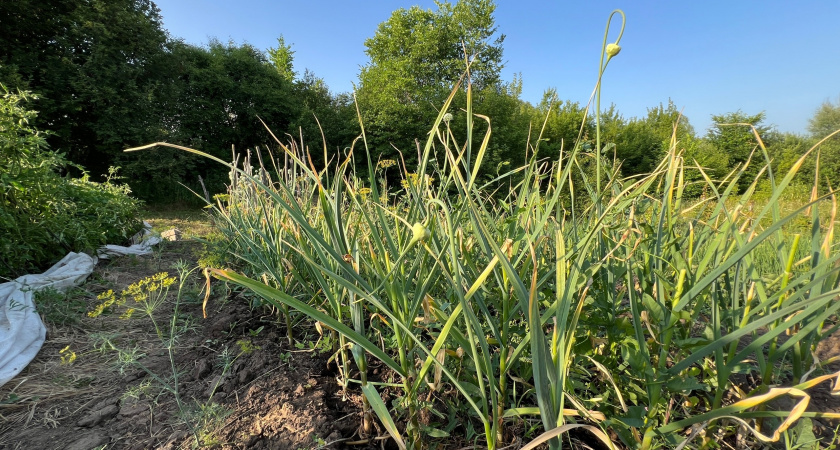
(67, 356)
(107, 299)
(414, 180)
(150, 292)
(385, 163)
(410, 180)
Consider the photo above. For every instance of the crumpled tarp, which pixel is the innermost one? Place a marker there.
(22, 333)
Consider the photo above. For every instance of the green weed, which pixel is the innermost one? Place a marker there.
(148, 297)
(62, 308)
(44, 215)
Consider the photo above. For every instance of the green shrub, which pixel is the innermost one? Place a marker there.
(44, 215)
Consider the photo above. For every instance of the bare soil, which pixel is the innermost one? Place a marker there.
(822, 399)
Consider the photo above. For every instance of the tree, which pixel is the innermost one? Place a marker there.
(642, 143)
(430, 47)
(562, 121)
(213, 102)
(282, 58)
(94, 63)
(738, 141)
(638, 147)
(662, 120)
(416, 56)
(323, 122)
(826, 120)
(327, 123)
(787, 148)
(509, 120)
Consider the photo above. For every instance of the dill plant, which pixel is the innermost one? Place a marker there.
(150, 297)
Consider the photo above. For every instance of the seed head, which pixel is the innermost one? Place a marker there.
(419, 232)
(447, 117)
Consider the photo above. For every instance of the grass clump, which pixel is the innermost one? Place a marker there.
(579, 299)
(62, 308)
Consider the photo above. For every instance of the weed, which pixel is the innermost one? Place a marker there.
(61, 308)
(44, 215)
(286, 358)
(147, 297)
(143, 389)
(10, 399)
(208, 418)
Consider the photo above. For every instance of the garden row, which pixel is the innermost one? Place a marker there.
(557, 296)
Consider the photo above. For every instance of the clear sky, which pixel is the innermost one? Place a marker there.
(711, 57)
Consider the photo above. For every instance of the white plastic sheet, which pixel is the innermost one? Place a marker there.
(22, 333)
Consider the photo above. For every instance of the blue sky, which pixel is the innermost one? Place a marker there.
(710, 57)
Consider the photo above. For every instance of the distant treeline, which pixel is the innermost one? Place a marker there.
(110, 77)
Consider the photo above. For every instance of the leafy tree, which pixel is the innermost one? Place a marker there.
(638, 147)
(826, 120)
(324, 122)
(110, 78)
(642, 143)
(509, 122)
(327, 123)
(612, 122)
(662, 120)
(562, 122)
(282, 57)
(701, 154)
(738, 141)
(214, 103)
(787, 148)
(416, 56)
(94, 62)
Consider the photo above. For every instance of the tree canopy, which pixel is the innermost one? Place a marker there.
(110, 77)
(282, 58)
(416, 57)
(95, 65)
(826, 120)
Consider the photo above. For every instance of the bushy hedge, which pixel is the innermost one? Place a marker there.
(44, 215)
